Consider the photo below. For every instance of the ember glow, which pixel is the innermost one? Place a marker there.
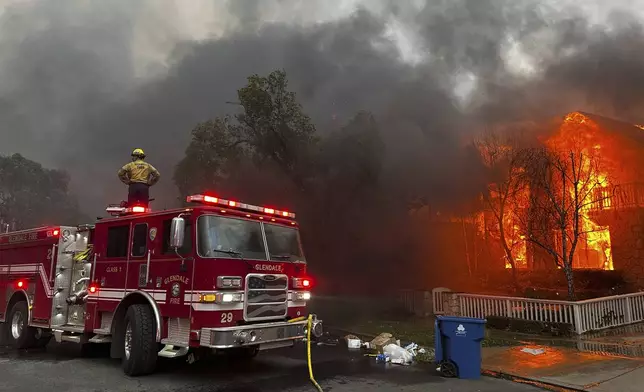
(591, 156)
(578, 133)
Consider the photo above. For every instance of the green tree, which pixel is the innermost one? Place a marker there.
(271, 131)
(209, 156)
(274, 125)
(31, 195)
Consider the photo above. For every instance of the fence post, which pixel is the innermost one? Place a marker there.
(451, 304)
(508, 308)
(576, 310)
(427, 303)
(628, 311)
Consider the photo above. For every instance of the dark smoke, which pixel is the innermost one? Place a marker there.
(73, 94)
(72, 99)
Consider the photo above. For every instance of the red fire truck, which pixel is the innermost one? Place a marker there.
(219, 275)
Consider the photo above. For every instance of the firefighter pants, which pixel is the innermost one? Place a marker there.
(138, 194)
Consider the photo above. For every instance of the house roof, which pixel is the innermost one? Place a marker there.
(617, 128)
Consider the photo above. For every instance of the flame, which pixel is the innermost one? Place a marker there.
(514, 237)
(580, 134)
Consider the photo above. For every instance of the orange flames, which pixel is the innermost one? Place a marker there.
(580, 134)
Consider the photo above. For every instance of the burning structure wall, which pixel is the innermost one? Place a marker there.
(603, 158)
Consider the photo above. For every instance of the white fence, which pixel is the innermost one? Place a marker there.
(584, 316)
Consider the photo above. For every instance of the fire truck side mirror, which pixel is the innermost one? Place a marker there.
(177, 232)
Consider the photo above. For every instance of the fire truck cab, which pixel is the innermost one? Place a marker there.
(219, 275)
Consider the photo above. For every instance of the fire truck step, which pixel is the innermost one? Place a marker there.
(71, 338)
(101, 339)
(66, 336)
(170, 351)
(71, 328)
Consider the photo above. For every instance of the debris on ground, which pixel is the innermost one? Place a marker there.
(380, 341)
(354, 343)
(327, 340)
(398, 355)
(533, 351)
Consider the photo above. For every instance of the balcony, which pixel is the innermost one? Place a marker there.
(620, 197)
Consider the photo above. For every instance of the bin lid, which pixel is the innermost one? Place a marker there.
(469, 320)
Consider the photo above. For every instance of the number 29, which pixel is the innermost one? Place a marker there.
(226, 318)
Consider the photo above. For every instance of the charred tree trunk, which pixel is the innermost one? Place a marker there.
(570, 280)
(510, 257)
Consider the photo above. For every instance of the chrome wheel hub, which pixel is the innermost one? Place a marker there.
(16, 325)
(128, 340)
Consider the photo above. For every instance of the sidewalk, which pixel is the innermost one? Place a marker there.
(568, 368)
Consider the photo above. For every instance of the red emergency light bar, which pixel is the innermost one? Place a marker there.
(205, 199)
(127, 210)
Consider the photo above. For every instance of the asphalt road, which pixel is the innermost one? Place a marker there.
(60, 368)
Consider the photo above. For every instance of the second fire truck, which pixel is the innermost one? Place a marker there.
(220, 275)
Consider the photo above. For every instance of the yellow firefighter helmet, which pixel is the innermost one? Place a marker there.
(138, 152)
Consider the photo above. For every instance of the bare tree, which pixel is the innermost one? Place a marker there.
(563, 186)
(507, 190)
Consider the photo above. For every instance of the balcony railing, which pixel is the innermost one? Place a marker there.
(622, 196)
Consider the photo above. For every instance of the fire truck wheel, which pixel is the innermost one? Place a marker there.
(245, 353)
(140, 346)
(20, 334)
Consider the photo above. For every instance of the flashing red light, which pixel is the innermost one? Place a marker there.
(239, 206)
(138, 209)
(56, 232)
(92, 289)
(21, 284)
(302, 283)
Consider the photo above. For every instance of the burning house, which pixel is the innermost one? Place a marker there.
(573, 193)
(586, 201)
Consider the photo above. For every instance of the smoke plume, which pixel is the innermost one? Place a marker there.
(85, 82)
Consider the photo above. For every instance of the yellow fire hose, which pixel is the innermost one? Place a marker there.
(308, 348)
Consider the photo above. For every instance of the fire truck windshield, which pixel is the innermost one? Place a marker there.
(219, 236)
(283, 243)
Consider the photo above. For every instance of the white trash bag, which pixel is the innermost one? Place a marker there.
(398, 354)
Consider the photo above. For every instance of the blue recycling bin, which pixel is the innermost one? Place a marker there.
(458, 346)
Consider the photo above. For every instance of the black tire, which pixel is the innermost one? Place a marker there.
(43, 340)
(141, 358)
(448, 369)
(244, 353)
(19, 334)
(4, 334)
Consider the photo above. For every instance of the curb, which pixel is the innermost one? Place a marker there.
(524, 380)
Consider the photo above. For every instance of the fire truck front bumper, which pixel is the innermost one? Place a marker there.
(266, 335)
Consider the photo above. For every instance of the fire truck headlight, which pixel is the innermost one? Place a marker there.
(229, 282)
(228, 298)
(302, 296)
(221, 298)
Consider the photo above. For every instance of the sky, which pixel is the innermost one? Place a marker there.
(83, 82)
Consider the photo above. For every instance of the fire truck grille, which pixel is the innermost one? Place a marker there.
(266, 297)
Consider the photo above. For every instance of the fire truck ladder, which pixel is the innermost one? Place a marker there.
(71, 278)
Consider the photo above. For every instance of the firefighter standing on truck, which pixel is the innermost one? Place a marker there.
(139, 176)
